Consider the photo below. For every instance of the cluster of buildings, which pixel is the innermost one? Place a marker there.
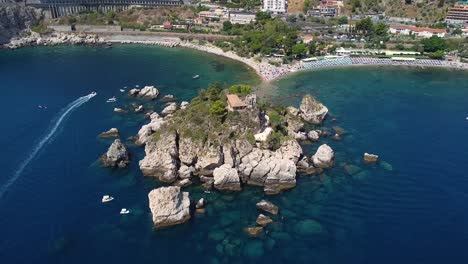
(327, 8)
(420, 32)
(224, 14)
(458, 15)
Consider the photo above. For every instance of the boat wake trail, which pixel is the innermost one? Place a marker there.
(46, 138)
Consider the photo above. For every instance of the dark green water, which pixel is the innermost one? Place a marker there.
(408, 209)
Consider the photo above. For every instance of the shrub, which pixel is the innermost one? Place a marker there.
(218, 109)
(240, 89)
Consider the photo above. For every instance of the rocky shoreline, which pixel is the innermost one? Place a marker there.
(187, 144)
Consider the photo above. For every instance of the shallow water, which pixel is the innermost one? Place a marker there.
(408, 209)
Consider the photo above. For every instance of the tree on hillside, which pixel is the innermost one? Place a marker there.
(365, 26)
(380, 29)
(227, 26)
(262, 16)
(299, 50)
(342, 20)
(433, 44)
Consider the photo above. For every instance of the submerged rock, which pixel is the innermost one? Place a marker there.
(309, 227)
(312, 110)
(253, 249)
(386, 166)
(113, 132)
(324, 157)
(370, 158)
(226, 178)
(116, 156)
(268, 207)
(169, 206)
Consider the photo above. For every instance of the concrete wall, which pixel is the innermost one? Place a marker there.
(60, 28)
(97, 29)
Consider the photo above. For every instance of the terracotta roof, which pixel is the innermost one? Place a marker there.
(420, 29)
(235, 101)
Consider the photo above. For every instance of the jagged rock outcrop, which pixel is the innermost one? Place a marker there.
(169, 206)
(313, 135)
(210, 158)
(275, 170)
(312, 110)
(113, 132)
(268, 207)
(116, 156)
(226, 178)
(189, 150)
(169, 109)
(370, 158)
(263, 136)
(54, 39)
(161, 158)
(148, 129)
(186, 172)
(15, 18)
(324, 157)
(148, 92)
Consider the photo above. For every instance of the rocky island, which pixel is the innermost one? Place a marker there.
(224, 139)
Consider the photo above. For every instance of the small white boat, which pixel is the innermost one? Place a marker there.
(196, 76)
(137, 86)
(122, 90)
(93, 93)
(107, 198)
(40, 106)
(124, 211)
(207, 192)
(111, 100)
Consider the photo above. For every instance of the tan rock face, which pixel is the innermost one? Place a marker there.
(312, 110)
(161, 158)
(268, 207)
(116, 156)
(169, 206)
(226, 178)
(324, 157)
(370, 158)
(254, 231)
(263, 220)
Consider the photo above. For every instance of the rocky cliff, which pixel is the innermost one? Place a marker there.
(14, 18)
(227, 150)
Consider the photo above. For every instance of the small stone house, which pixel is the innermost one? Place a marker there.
(235, 103)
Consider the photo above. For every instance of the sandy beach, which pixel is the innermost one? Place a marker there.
(262, 67)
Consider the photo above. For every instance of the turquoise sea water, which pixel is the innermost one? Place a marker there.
(408, 209)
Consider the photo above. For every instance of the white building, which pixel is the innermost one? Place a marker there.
(241, 17)
(421, 32)
(275, 6)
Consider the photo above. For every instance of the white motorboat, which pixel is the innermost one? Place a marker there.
(124, 211)
(40, 106)
(93, 94)
(111, 100)
(196, 76)
(122, 90)
(137, 86)
(107, 198)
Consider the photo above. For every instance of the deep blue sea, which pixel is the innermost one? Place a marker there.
(409, 208)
